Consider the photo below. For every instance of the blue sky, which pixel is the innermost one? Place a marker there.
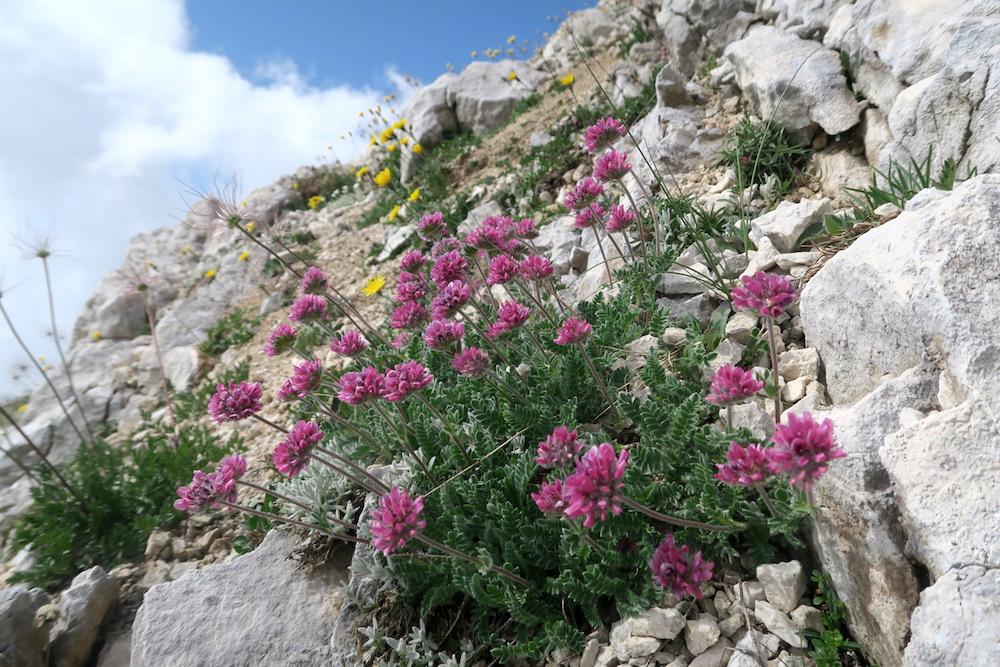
(112, 106)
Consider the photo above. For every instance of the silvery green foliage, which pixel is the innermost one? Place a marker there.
(364, 570)
(321, 488)
(418, 649)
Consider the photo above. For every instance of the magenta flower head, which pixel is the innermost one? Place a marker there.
(292, 455)
(396, 520)
(408, 315)
(591, 215)
(502, 270)
(401, 340)
(731, 385)
(441, 334)
(360, 387)
(611, 166)
(411, 287)
(675, 568)
(550, 498)
(621, 218)
(596, 486)
(526, 229)
(510, 316)
(235, 464)
(414, 260)
(351, 344)
(281, 340)
(602, 134)
(471, 362)
(308, 308)
(802, 448)
(454, 295)
(450, 266)
(444, 246)
(572, 330)
(558, 449)
(405, 379)
(314, 281)
(584, 193)
(306, 378)
(535, 267)
(208, 489)
(764, 293)
(235, 401)
(747, 465)
(432, 227)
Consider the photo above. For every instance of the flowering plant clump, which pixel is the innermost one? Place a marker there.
(676, 569)
(396, 520)
(595, 488)
(281, 340)
(235, 401)
(732, 384)
(803, 449)
(768, 295)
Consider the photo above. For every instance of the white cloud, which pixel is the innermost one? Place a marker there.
(106, 110)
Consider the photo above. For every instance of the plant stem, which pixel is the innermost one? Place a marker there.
(475, 561)
(772, 344)
(600, 383)
(293, 522)
(292, 501)
(767, 499)
(677, 521)
(269, 423)
(41, 455)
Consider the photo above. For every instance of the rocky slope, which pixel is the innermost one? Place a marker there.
(894, 334)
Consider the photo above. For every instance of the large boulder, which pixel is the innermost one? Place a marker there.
(905, 321)
(261, 608)
(83, 607)
(797, 83)
(22, 640)
(694, 29)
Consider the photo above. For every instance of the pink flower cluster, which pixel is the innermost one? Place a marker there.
(449, 267)
(359, 387)
(305, 379)
(292, 454)
(611, 166)
(308, 308)
(405, 379)
(441, 334)
(802, 449)
(314, 281)
(676, 569)
(396, 520)
(583, 194)
(559, 449)
(471, 362)
(766, 294)
(281, 340)
(603, 133)
(235, 401)
(731, 385)
(510, 316)
(432, 227)
(572, 331)
(208, 489)
(351, 344)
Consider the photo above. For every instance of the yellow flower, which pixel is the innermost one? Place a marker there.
(510, 52)
(251, 226)
(42, 358)
(373, 141)
(295, 186)
(244, 256)
(315, 202)
(341, 137)
(186, 250)
(414, 196)
(545, 35)
(46, 368)
(361, 172)
(243, 203)
(394, 212)
(449, 67)
(404, 140)
(387, 98)
(391, 147)
(210, 273)
(96, 335)
(473, 54)
(512, 76)
(374, 285)
(361, 114)
(567, 80)
(383, 177)
(22, 408)
(417, 148)
(511, 39)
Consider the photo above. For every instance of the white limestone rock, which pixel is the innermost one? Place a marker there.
(784, 583)
(786, 223)
(800, 363)
(21, 642)
(701, 634)
(83, 607)
(778, 623)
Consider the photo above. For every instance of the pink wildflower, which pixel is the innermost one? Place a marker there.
(235, 401)
(208, 489)
(453, 296)
(611, 166)
(308, 308)
(502, 270)
(432, 227)
(593, 214)
(449, 267)
(510, 315)
(360, 387)
(526, 229)
(350, 344)
(558, 449)
(306, 378)
(396, 520)
(444, 246)
(411, 287)
(287, 391)
(471, 362)
(535, 267)
(764, 293)
(281, 339)
(441, 334)
(731, 385)
(495, 233)
(314, 281)
(572, 331)
(551, 498)
(747, 465)
(602, 134)
(401, 340)
(621, 218)
(408, 315)
(405, 379)
(292, 455)
(586, 192)
(802, 449)
(414, 260)
(676, 569)
(596, 486)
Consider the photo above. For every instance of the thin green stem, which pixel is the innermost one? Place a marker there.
(293, 522)
(45, 460)
(475, 561)
(447, 427)
(772, 343)
(677, 521)
(600, 383)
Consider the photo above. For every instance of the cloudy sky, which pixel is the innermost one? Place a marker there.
(112, 108)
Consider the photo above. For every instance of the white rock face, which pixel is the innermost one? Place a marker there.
(21, 643)
(82, 609)
(785, 224)
(257, 608)
(784, 583)
(797, 82)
